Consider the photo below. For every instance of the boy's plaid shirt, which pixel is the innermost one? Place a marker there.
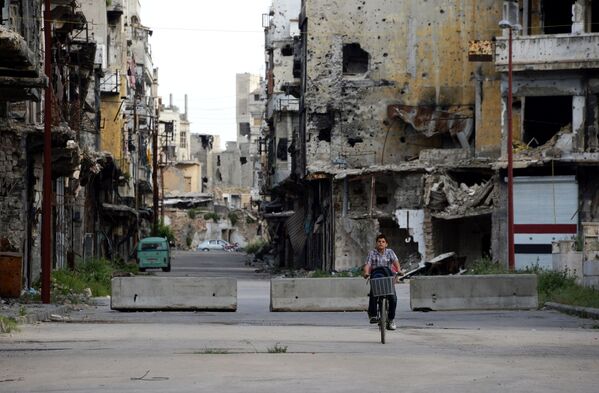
(376, 259)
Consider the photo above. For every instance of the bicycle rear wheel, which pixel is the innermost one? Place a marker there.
(383, 317)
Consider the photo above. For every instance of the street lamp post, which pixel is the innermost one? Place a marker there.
(510, 22)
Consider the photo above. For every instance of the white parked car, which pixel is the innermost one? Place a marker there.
(217, 244)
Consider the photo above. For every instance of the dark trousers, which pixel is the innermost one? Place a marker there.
(372, 306)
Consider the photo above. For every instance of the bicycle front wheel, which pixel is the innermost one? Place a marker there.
(383, 318)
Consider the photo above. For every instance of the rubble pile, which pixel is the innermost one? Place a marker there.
(450, 198)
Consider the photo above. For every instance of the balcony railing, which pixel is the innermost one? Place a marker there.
(549, 52)
(110, 83)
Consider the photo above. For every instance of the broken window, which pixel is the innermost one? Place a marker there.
(324, 135)
(544, 117)
(355, 59)
(382, 193)
(282, 149)
(324, 123)
(594, 16)
(244, 129)
(557, 16)
(468, 237)
(287, 50)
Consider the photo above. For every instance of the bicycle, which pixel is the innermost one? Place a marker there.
(381, 288)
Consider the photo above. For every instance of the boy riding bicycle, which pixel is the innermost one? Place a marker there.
(382, 261)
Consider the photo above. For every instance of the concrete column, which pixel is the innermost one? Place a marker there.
(578, 121)
(578, 16)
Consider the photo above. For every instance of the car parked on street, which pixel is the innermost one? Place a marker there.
(214, 244)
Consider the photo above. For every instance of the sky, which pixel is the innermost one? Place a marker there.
(198, 46)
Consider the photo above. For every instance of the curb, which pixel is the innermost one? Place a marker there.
(582, 312)
(42, 315)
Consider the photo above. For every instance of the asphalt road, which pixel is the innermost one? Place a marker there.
(106, 351)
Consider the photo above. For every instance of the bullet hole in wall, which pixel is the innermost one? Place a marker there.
(352, 141)
(355, 59)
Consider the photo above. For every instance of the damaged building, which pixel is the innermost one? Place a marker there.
(555, 121)
(97, 184)
(397, 132)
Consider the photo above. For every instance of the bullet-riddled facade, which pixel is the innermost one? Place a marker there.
(398, 130)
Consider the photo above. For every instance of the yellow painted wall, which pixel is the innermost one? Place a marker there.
(488, 132)
(174, 178)
(418, 56)
(111, 133)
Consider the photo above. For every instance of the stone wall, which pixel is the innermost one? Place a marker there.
(13, 175)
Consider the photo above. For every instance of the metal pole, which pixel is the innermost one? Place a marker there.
(46, 262)
(155, 177)
(136, 167)
(510, 165)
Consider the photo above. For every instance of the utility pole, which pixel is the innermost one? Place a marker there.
(155, 176)
(510, 21)
(136, 167)
(47, 178)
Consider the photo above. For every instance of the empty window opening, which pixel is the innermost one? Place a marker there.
(219, 177)
(381, 191)
(282, 149)
(243, 160)
(594, 16)
(557, 16)
(355, 59)
(470, 178)
(324, 123)
(324, 135)
(544, 117)
(352, 141)
(469, 238)
(287, 50)
(244, 129)
(217, 160)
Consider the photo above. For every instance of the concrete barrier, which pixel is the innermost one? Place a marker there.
(318, 294)
(486, 292)
(173, 293)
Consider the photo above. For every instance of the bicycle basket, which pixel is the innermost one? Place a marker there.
(382, 286)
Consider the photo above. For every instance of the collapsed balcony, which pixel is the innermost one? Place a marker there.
(20, 75)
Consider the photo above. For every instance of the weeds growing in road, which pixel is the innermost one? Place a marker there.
(213, 351)
(72, 285)
(486, 266)
(8, 325)
(277, 349)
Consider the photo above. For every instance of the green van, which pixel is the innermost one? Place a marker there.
(154, 252)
